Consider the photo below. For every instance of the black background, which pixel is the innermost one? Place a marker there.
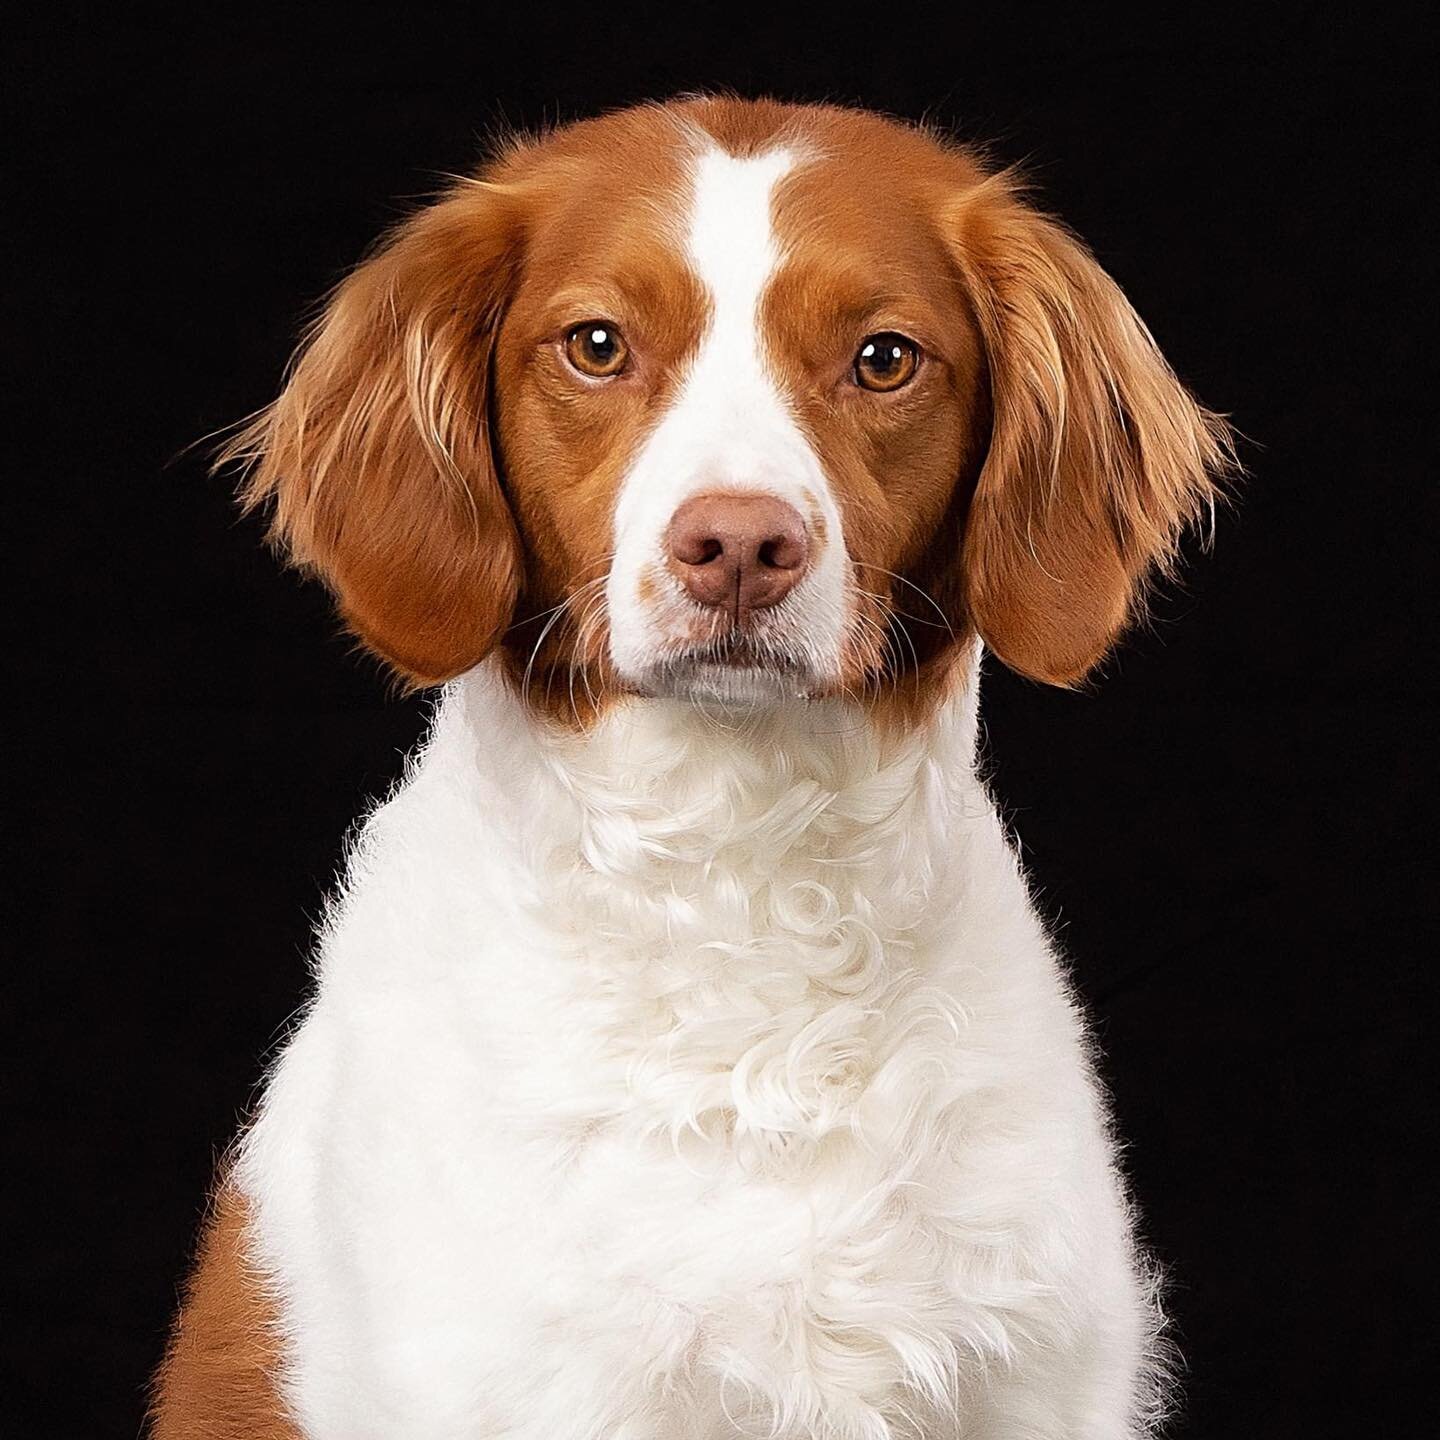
(1226, 829)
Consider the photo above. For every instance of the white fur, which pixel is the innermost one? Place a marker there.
(729, 429)
(693, 1081)
(704, 1075)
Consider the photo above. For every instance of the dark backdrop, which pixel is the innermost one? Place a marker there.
(1223, 830)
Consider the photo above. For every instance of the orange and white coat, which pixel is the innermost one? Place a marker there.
(686, 1058)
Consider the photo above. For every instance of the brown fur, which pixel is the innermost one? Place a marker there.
(376, 455)
(598, 193)
(900, 463)
(1098, 456)
(218, 1378)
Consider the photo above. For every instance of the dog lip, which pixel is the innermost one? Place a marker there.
(735, 651)
(728, 671)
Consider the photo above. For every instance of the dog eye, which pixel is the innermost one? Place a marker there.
(886, 362)
(596, 349)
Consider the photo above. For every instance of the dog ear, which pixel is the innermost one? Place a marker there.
(377, 455)
(1098, 458)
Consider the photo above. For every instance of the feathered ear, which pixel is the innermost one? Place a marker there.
(377, 454)
(1098, 458)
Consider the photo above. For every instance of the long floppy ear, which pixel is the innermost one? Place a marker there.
(377, 455)
(1098, 460)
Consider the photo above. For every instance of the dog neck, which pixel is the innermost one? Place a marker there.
(735, 918)
(663, 794)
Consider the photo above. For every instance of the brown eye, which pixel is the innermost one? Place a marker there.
(886, 362)
(597, 349)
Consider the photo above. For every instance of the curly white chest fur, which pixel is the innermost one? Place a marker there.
(693, 1079)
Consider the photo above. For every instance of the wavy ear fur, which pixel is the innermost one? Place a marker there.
(1099, 458)
(377, 457)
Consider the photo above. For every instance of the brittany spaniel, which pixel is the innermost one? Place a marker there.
(686, 1058)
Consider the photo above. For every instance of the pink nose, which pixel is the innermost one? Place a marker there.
(737, 552)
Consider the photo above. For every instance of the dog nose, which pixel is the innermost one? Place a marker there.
(738, 552)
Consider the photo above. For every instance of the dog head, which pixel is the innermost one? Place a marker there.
(736, 399)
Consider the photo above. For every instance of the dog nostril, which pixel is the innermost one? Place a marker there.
(781, 552)
(695, 546)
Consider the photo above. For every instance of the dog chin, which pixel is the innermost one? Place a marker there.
(728, 682)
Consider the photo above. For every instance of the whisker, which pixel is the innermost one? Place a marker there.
(580, 651)
(944, 622)
(556, 615)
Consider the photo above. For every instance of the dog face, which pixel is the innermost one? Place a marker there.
(732, 399)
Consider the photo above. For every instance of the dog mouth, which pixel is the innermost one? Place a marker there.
(735, 668)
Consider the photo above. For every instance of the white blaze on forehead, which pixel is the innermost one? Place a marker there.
(731, 241)
(728, 427)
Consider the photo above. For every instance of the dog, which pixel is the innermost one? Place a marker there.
(686, 1058)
